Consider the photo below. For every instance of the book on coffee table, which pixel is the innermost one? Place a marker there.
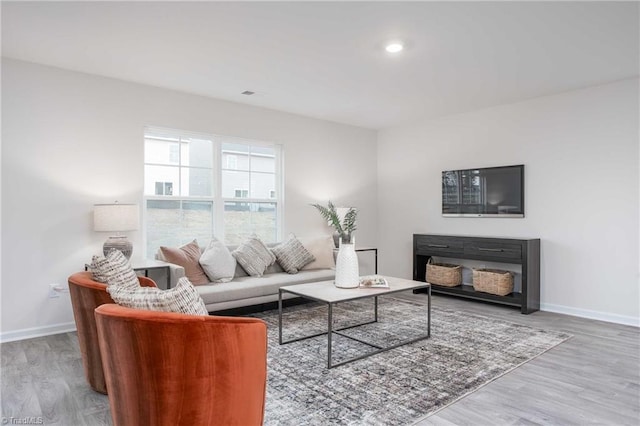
(373, 281)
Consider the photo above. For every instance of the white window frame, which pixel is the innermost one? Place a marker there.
(216, 196)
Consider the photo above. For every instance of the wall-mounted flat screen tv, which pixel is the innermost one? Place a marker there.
(484, 192)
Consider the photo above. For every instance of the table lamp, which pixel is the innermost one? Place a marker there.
(116, 218)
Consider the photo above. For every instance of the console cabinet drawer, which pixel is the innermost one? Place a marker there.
(439, 246)
(496, 250)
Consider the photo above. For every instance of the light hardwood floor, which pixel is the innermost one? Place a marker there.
(591, 379)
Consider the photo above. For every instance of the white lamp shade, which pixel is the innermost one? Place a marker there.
(115, 217)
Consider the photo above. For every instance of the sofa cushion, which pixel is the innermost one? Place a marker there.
(217, 262)
(239, 272)
(187, 256)
(183, 298)
(114, 270)
(267, 285)
(292, 255)
(322, 249)
(254, 256)
(274, 269)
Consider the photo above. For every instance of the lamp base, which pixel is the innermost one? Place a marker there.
(120, 243)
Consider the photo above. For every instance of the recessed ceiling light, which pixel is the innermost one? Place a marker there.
(394, 47)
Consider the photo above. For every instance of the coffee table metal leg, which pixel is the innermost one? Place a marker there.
(429, 312)
(329, 333)
(376, 308)
(280, 316)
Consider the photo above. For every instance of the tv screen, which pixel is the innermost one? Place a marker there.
(486, 192)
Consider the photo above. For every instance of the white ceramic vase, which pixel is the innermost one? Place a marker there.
(347, 272)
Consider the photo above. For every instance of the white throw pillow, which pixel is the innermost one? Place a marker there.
(292, 255)
(322, 249)
(217, 262)
(254, 256)
(183, 298)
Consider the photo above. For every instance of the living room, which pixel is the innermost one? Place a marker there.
(553, 86)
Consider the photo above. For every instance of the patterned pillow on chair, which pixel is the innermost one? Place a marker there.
(183, 298)
(114, 270)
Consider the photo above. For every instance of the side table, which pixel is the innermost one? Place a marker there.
(146, 265)
(375, 250)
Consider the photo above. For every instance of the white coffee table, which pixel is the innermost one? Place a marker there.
(327, 292)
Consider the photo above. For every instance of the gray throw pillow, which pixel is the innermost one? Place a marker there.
(254, 256)
(183, 298)
(217, 262)
(292, 255)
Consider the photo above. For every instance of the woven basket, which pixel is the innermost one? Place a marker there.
(493, 281)
(444, 274)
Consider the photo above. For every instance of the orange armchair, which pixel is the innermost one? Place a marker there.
(86, 296)
(174, 369)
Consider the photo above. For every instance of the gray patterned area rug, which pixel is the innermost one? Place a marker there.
(396, 387)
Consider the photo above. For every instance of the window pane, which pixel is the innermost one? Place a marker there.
(162, 223)
(175, 223)
(241, 220)
(235, 147)
(161, 151)
(197, 153)
(263, 159)
(156, 178)
(233, 181)
(262, 184)
(230, 161)
(196, 182)
(235, 156)
(197, 221)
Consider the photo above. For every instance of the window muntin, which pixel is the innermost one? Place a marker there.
(197, 195)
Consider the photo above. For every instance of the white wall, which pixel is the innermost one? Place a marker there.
(580, 151)
(71, 140)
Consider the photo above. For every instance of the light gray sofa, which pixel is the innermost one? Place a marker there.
(245, 290)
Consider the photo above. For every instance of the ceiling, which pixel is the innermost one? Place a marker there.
(326, 59)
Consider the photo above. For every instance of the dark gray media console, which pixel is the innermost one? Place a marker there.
(524, 252)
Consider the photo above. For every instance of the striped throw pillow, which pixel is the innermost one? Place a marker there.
(254, 256)
(292, 255)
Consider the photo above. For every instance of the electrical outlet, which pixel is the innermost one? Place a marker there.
(53, 294)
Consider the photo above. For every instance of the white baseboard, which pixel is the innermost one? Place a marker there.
(596, 315)
(30, 333)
